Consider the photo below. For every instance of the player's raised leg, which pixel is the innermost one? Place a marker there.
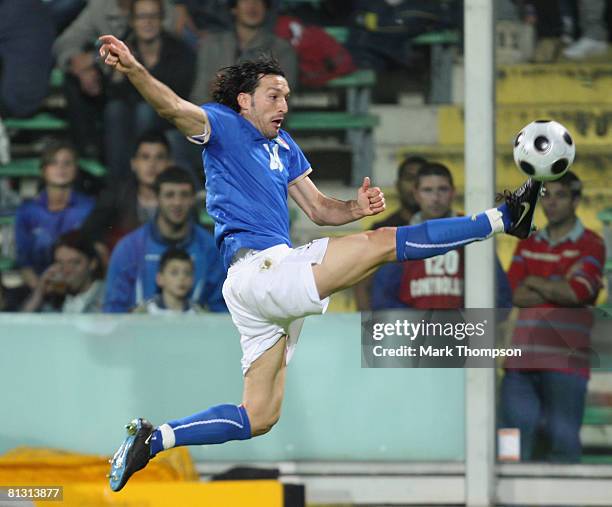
(351, 258)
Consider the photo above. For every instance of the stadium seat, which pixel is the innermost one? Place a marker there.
(442, 45)
(6, 242)
(30, 168)
(41, 121)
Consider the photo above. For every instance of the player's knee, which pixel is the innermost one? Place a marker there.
(262, 419)
(382, 241)
(263, 423)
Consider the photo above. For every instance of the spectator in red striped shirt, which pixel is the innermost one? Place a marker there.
(555, 275)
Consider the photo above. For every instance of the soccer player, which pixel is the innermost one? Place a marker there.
(251, 166)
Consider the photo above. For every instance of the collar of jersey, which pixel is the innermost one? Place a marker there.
(573, 235)
(43, 199)
(157, 236)
(258, 136)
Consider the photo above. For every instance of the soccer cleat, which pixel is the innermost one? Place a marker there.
(133, 454)
(521, 205)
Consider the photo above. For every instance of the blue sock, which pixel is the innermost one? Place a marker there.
(436, 237)
(503, 209)
(215, 425)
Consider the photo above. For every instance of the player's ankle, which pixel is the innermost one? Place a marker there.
(499, 218)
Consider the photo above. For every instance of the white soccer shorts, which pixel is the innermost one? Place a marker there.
(269, 293)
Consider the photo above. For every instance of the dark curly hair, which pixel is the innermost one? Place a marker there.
(242, 77)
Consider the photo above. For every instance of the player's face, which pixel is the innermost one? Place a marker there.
(176, 278)
(62, 169)
(267, 106)
(150, 160)
(147, 20)
(175, 202)
(75, 268)
(434, 195)
(250, 13)
(558, 204)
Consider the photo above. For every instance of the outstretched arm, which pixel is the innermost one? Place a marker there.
(324, 210)
(554, 291)
(190, 119)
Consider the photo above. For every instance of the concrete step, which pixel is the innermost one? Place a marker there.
(406, 123)
(589, 124)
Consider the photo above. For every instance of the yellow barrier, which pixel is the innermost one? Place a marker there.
(31, 466)
(589, 124)
(169, 480)
(178, 494)
(564, 83)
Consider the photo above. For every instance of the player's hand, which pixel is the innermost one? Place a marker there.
(370, 200)
(117, 55)
(51, 281)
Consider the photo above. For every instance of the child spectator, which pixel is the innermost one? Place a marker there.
(175, 281)
(56, 210)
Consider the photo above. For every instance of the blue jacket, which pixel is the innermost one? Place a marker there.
(135, 261)
(37, 229)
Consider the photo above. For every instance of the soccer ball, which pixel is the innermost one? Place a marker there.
(544, 150)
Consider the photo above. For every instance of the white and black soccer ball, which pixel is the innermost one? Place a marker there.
(544, 150)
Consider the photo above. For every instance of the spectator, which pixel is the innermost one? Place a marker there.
(56, 210)
(196, 18)
(25, 58)
(132, 202)
(437, 282)
(321, 13)
(249, 38)
(406, 176)
(381, 32)
(555, 25)
(175, 281)
(406, 179)
(135, 261)
(126, 114)
(64, 12)
(73, 283)
(75, 54)
(594, 39)
(557, 268)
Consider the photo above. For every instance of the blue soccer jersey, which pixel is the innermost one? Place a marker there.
(247, 176)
